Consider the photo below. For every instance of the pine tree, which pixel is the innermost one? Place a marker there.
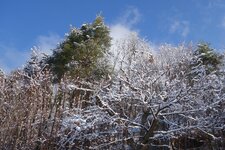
(80, 52)
(208, 57)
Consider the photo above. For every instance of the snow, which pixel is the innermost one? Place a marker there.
(183, 99)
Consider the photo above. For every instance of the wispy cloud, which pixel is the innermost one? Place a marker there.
(12, 58)
(180, 27)
(223, 22)
(48, 42)
(216, 3)
(130, 17)
(125, 24)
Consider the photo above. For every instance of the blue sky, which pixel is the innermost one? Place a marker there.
(26, 23)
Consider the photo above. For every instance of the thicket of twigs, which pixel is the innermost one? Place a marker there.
(153, 100)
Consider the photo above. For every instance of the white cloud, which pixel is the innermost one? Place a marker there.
(125, 25)
(48, 42)
(180, 27)
(119, 32)
(12, 58)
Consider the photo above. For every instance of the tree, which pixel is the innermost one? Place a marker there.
(207, 57)
(82, 50)
(148, 104)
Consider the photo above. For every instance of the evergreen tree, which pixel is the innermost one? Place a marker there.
(208, 57)
(80, 52)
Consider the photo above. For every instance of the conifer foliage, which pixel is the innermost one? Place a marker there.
(80, 52)
(208, 57)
